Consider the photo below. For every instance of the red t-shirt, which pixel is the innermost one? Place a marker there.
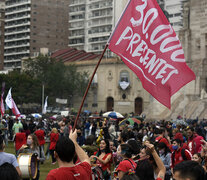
(53, 140)
(126, 165)
(20, 139)
(80, 171)
(40, 136)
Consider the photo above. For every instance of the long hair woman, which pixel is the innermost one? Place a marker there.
(54, 135)
(103, 158)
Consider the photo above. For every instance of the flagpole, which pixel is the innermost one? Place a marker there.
(43, 92)
(89, 84)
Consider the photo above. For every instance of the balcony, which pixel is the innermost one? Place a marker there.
(101, 7)
(76, 36)
(17, 46)
(100, 24)
(77, 3)
(17, 32)
(98, 34)
(100, 16)
(76, 28)
(75, 45)
(92, 1)
(76, 13)
(17, 53)
(12, 60)
(17, 25)
(18, 4)
(18, 11)
(18, 18)
(98, 42)
(17, 39)
(77, 20)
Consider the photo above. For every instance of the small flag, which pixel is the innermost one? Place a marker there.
(11, 104)
(45, 106)
(2, 99)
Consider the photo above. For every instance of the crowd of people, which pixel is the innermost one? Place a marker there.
(101, 148)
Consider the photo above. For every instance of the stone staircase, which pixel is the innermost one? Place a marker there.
(191, 108)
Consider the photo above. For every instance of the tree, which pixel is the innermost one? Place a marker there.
(24, 88)
(59, 80)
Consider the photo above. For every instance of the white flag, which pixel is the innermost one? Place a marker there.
(9, 99)
(45, 106)
(11, 104)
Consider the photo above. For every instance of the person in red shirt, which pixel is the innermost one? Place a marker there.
(65, 150)
(53, 140)
(179, 154)
(20, 139)
(41, 137)
(161, 137)
(194, 144)
(127, 164)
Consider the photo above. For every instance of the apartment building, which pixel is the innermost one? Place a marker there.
(91, 23)
(175, 12)
(31, 25)
(2, 13)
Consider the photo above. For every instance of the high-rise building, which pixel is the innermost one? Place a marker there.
(31, 25)
(2, 13)
(174, 9)
(91, 23)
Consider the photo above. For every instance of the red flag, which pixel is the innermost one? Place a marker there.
(2, 101)
(149, 46)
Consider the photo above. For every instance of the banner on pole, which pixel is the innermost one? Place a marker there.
(11, 104)
(2, 99)
(149, 46)
(44, 111)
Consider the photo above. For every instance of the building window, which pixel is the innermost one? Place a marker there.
(124, 76)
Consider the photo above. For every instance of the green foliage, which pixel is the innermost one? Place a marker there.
(59, 80)
(24, 89)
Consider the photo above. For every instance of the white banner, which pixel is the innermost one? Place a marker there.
(124, 84)
(61, 101)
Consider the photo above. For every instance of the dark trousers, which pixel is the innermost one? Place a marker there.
(52, 155)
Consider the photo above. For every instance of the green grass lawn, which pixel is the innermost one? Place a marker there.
(44, 168)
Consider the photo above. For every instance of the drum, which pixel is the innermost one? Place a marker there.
(97, 173)
(28, 165)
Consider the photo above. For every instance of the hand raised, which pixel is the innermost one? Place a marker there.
(73, 135)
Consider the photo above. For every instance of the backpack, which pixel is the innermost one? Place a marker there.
(182, 154)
